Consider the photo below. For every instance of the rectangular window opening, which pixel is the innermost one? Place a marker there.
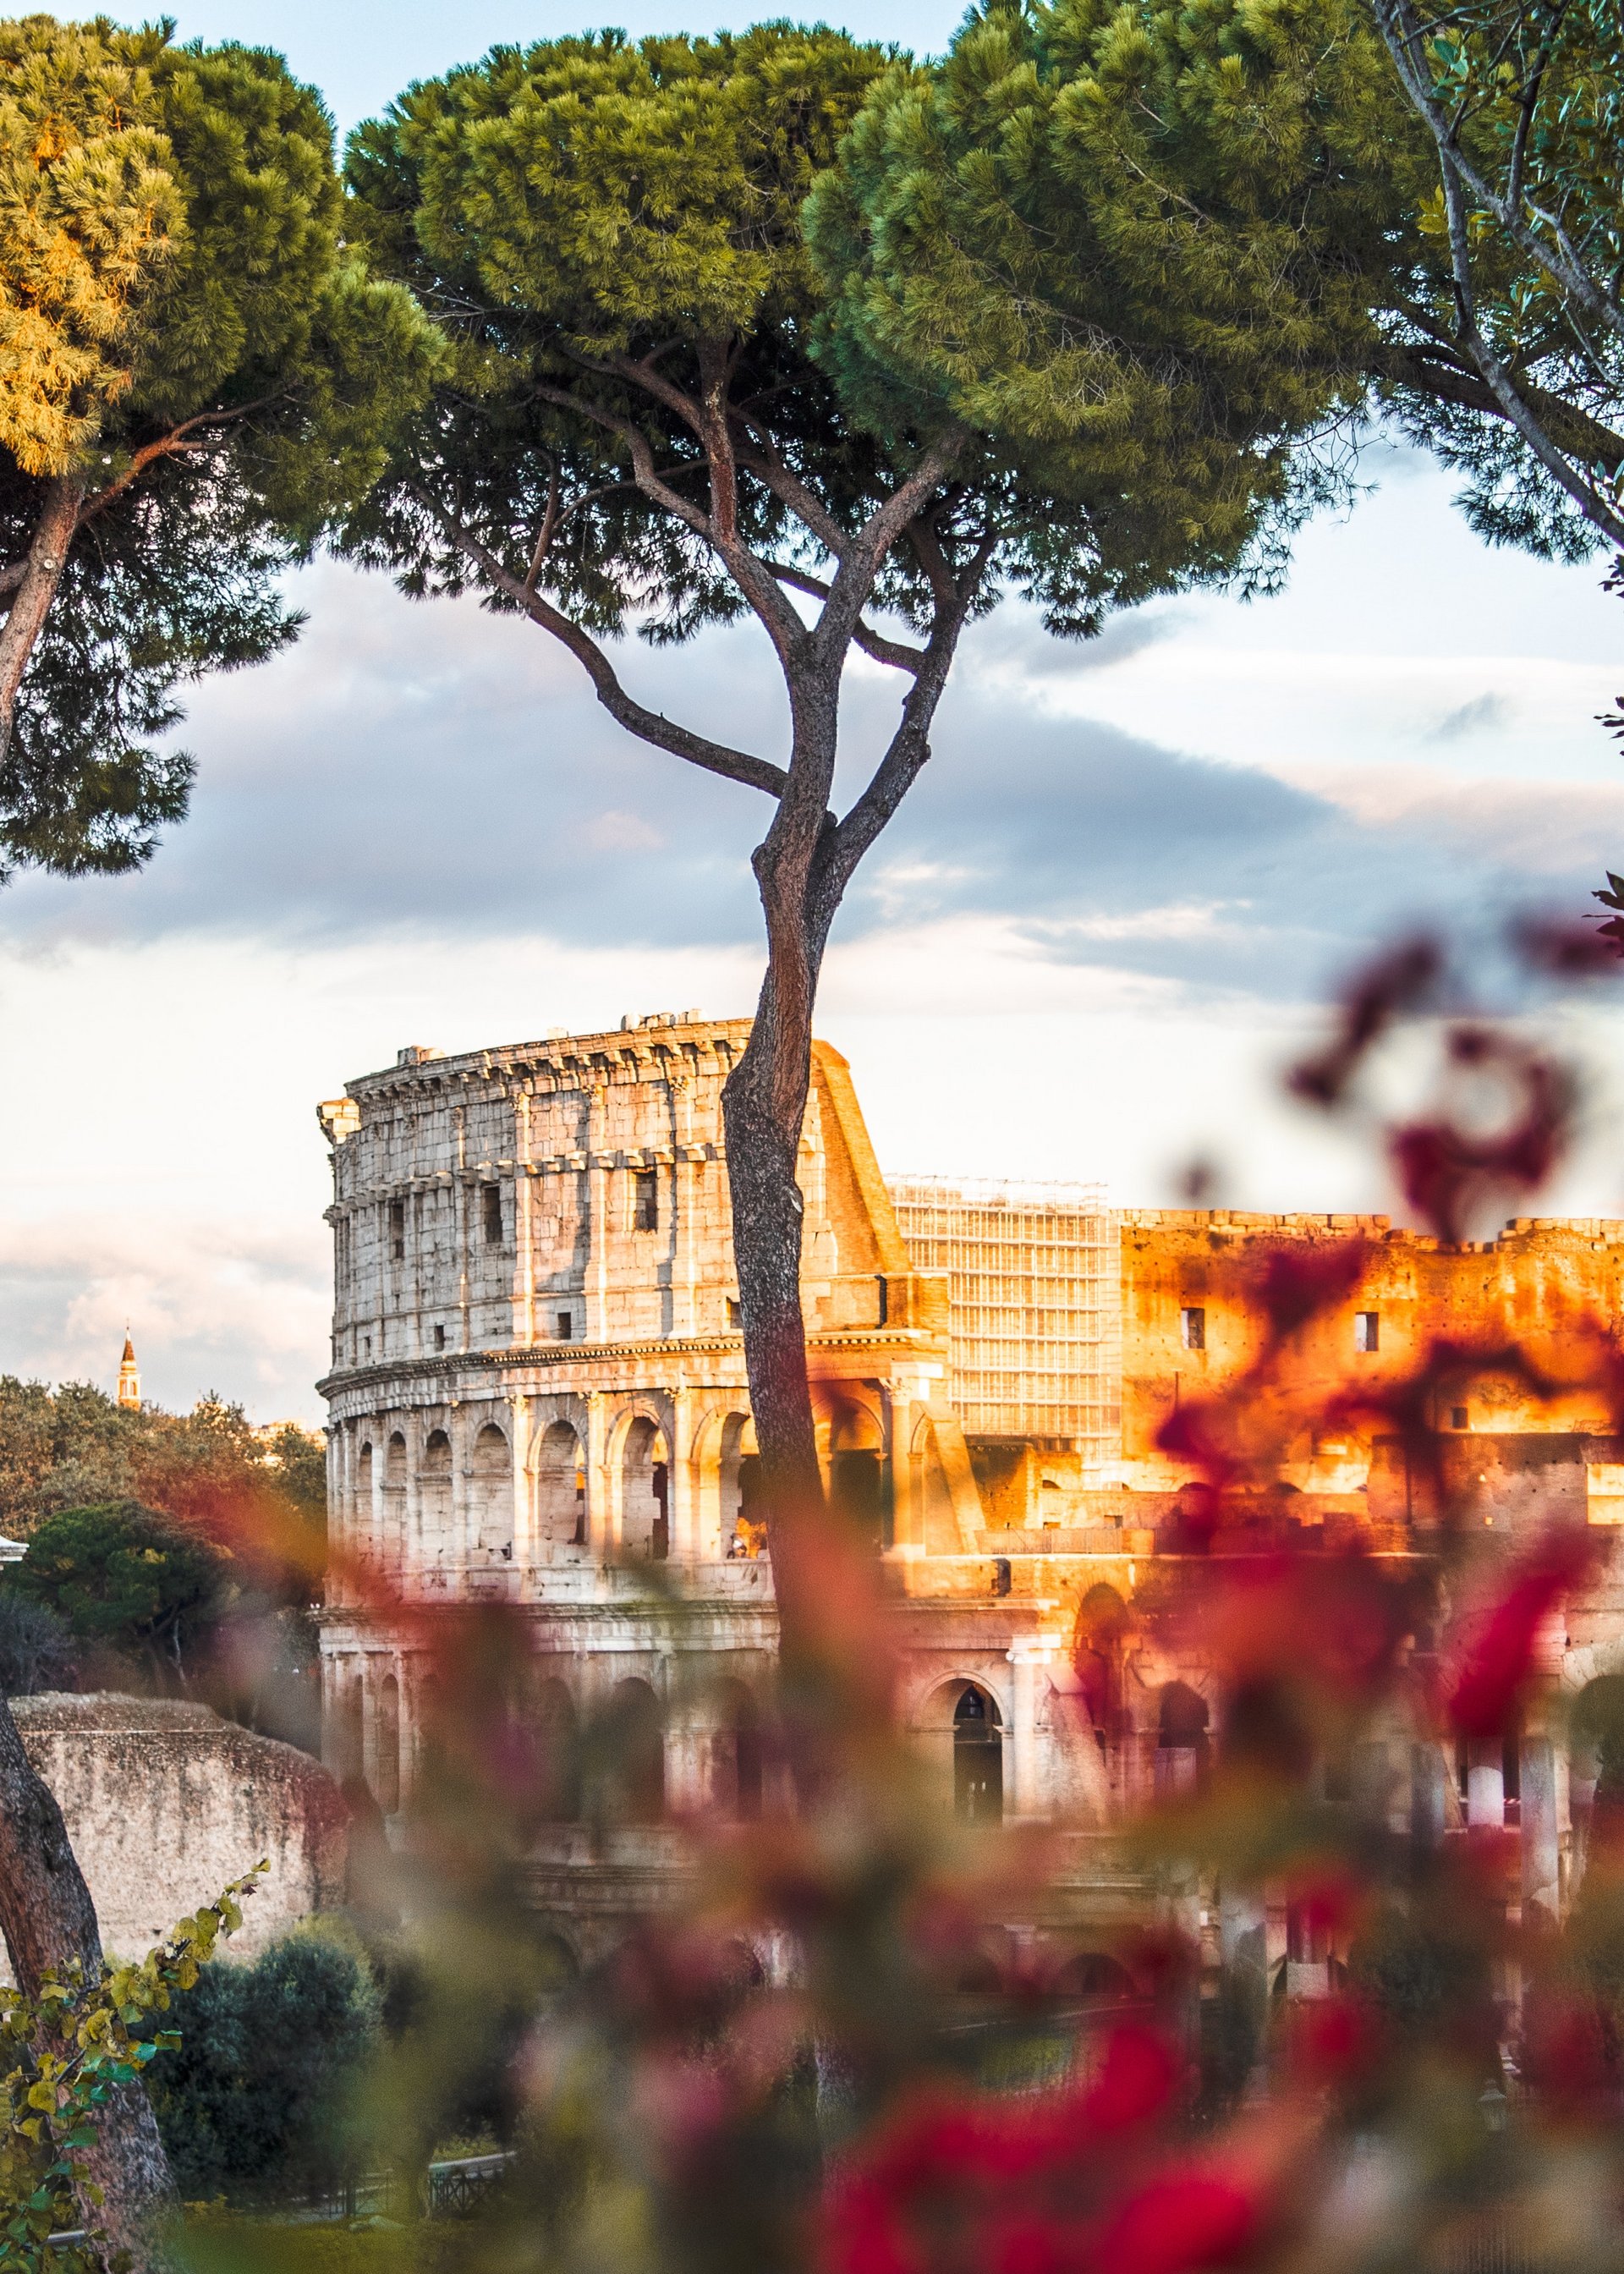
(1457, 1416)
(439, 1339)
(397, 1228)
(491, 1195)
(1192, 1327)
(735, 1316)
(563, 1326)
(645, 1199)
(1367, 1330)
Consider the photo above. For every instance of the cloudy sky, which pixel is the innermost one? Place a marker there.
(1118, 897)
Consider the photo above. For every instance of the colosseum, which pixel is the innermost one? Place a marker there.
(538, 1394)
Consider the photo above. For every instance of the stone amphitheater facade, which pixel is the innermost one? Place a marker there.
(538, 1394)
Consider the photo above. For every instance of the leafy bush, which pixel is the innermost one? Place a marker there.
(128, 1578)
(250, 2102)
(36, 1647)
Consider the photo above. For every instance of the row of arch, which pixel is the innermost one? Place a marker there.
(426, 1491)
(613, 1763)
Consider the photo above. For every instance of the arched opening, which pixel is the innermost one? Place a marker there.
(857, 1472)
(743, 1519)
(434, 1493)
(345, 1755)
(1092, 1976)
(364, 1483)
(387, 1751)
(978, 1759)
(560, 1489)
(1181, 1738)
(737, 1764)
(558, 1739)
(645, 1493)
(633, 1739)
(1097, 1651)
(490, 1495)
(393, 1530)
(558, 1969)
(934, 1523)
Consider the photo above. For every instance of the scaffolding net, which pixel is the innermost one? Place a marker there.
(1034, 1284)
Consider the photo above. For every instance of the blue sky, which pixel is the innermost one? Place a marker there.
(1116, 899)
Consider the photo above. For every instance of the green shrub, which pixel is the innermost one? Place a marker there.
(251, 2104)
(37, 1648)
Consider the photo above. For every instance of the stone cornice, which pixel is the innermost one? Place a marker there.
(446, 1366)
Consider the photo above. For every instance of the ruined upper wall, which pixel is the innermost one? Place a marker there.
(1543, 1284)
(575, 1190)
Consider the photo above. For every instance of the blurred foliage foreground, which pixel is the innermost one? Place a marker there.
(782, 2070)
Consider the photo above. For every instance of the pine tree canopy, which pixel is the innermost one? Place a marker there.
(196, 374)
(845, 259)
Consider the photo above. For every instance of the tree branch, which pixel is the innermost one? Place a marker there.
(896, 653)
(1595, 509)
(648, 726)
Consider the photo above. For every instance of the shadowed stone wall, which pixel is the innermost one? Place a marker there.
(166, 1803)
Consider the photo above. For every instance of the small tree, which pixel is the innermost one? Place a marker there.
(129, 1579)
(775, 327)
(195, 369)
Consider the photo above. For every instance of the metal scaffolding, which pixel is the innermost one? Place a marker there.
(1034, 1282)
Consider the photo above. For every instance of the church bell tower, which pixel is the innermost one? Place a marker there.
(129, 1378)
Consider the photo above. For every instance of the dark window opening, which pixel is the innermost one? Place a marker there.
(859, 1481)
(645, 1199)
(397, 1228)
(1366, 1330)
(439, 1339)
(1192, 1327)
(735, 1316)
(1457, 1416)
(564, 1324)
(659, 1536)
(579, 1538)
(978, 1760)
(491, 1195)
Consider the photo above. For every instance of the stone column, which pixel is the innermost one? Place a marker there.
(599, 1523)
(457, 1560)
(907, 1529)
(1026, 1660)
(523, 1489)
(1541, 1835)
(1485, 1784)
(682, 1486)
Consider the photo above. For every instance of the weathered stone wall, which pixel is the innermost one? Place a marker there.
(1544, 1285)
(166, 1804)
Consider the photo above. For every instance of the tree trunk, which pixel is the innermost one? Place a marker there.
(833, 1661)
(49, 1921)
(48, 554)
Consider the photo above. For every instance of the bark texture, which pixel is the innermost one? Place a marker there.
(49, 1921)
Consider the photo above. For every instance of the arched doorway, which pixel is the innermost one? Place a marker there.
(632, 1739)
(489, 1493)
(434, 1494)
(857, 1478)
(558, 1740)
(737, 1766)
(1181, 1738)
(743, 1522)
(387, 1747)
(978, 1759)
(394, 1525)
(561, 1490)
(645, 1493)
